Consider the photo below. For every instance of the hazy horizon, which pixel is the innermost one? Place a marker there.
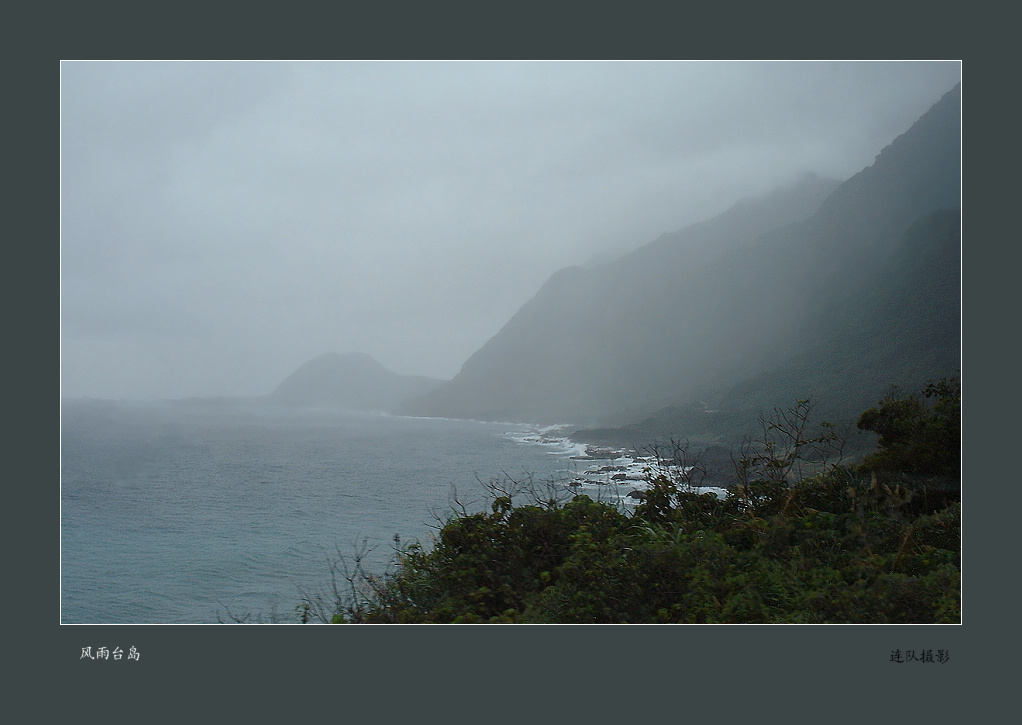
(223, 223)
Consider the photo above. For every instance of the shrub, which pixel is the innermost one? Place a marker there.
(801, 539)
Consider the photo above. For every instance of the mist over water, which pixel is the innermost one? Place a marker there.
(225, 226)
(175, 513)
(222, 223)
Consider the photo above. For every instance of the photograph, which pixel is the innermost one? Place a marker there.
(533, 342)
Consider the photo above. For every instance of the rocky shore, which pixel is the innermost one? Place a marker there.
(622, 474)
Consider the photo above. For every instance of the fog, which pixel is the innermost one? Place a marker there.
(223, 223)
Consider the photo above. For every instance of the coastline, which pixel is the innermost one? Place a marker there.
(620, 474)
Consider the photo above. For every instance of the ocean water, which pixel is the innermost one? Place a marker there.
(180, 512)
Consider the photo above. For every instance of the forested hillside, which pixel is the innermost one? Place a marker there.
(836, 291)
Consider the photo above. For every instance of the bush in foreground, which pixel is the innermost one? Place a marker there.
(839, 545)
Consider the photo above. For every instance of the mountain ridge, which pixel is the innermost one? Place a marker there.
(566, 325)
(754, 294)
(354, 381)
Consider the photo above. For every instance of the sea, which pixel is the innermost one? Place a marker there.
(210, 511)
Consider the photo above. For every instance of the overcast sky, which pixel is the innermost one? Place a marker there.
(223, 223)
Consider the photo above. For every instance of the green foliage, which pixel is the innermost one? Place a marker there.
(487, 567)
(801, 539)
(917, 437)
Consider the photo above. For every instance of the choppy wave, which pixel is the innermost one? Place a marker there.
(173, 513)
(606, 474)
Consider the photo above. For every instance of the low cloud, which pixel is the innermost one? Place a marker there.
(222, 223)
